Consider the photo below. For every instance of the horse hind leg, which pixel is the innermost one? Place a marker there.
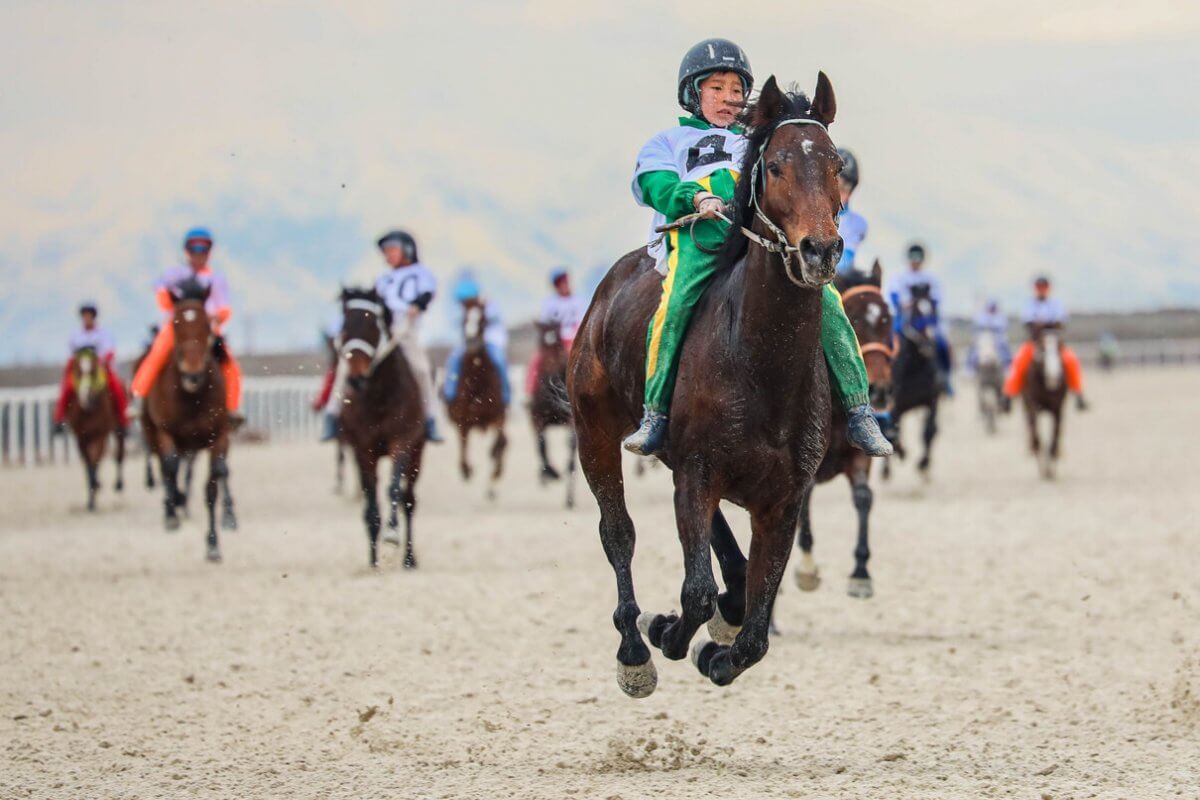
(169, 467)
(410, 507)
(548, 472)
(927, 436)
(228, 515)
(395, 498)
(694, 513)
(806, 573)
(600, 458)
(572, 458)
(861, 585)
(726, 621)
(119, 456)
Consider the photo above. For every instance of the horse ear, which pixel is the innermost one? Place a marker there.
(877, 273)
(824, 104)
(769, 105)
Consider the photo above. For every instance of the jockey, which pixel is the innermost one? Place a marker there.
(93, 336)
(694, 168)
(495, 341)
(904, 289)
(1044, 311)
(990, 324)
(197, 243)
(852, 226)
(331, 332)
(564, 309)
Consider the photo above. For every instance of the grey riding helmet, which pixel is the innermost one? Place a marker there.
(402, 238)
(705, 58)
(849, 167)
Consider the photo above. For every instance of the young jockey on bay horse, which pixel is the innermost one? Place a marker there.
(693, 168)
(852, 226)
(407, 288)
(562, 308)
(494, 335)
(901, 291)
(93, 336)
(1044, 311)
(198, 244)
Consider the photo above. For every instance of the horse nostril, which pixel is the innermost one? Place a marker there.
(820, 252)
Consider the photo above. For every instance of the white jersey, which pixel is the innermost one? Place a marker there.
(1044, 312)
(900, 287)
(97, 338)
(691, 153)
(567, 312)
(400, 287)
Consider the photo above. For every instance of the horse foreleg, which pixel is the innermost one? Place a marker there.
(169, 467)
(725, 623)
(1035, 444)
(498, 448)
(573, 447)
(228, 517)
(860, 490)
(548, 472)
(412, 468)
(395, 497)
(769, 548)
(600, 458)
(694, 513)
(367, 479)
(806, 574)
(339, 475)
(927, 435)
(216, 471)
(149, 470)
(463, 466)
(120, 458)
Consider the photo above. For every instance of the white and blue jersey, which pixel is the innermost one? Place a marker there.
(904, 288)
(1047, 311)
(852, 227)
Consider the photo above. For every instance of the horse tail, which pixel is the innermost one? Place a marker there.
(557, 397)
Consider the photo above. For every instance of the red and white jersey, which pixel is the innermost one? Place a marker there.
(566, 311)
(97, 338)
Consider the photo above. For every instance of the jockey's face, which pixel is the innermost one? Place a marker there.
(916, 261)
(89, 320)
(1042, 290)
(393, 254)
(563, 287)
(845, 189)
(197, 255)
(721, 98)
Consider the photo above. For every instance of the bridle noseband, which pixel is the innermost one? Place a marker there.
(377, 353)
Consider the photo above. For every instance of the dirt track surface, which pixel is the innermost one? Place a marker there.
(1026, 639)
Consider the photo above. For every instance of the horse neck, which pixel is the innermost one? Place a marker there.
(778, 323)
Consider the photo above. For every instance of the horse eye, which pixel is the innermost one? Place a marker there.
(773, 168)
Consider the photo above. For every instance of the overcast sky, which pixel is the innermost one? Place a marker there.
(1012, 138)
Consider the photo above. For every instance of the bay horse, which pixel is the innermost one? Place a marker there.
(92, 417)
(383, 416)
(479, 402)
(1045, 391)
(149, 446)
(871, 319)
(751, 410)
(184, 413)
(915, 382)
(545, 406)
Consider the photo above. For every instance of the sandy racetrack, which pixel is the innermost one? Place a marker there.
(1026, 639)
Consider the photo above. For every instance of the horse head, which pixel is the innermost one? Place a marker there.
(474, 324)
(1048, 354)
(788, 190)
(366, 321)
(86, 377)
(871, 319)
(551, 347)
(193, 334)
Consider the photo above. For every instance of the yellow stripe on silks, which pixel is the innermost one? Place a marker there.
(660, 315)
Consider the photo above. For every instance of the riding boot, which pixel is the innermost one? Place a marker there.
(863, 431)
(329, 427)
(236, 419)
(650, 437)
(58, 429)
(431, 431)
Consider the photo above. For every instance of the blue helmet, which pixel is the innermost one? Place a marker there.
(197, 234)
(466, 289)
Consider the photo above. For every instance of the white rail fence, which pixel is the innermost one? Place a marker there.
(279, 408)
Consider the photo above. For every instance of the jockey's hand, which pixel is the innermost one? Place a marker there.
(708, 205)
(413, 312)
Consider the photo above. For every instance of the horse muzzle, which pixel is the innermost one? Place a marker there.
(819, 258)
(191, 382)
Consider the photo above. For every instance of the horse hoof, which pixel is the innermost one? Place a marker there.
(491, 495)
(862, 588)
(171, 524)
(392, 538)
(807, 581)
(229, 522)
(637, 680)
(213, 555)
(119, 486)
(720, 630)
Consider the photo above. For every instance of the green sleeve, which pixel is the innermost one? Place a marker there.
(667, 194)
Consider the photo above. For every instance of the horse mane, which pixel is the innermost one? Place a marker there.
(796, 105)
(370, 295)
(189, 289)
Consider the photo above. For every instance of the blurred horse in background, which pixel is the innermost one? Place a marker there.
(478, 402)
(92, 417)
(545, 406)
(1045, 391)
